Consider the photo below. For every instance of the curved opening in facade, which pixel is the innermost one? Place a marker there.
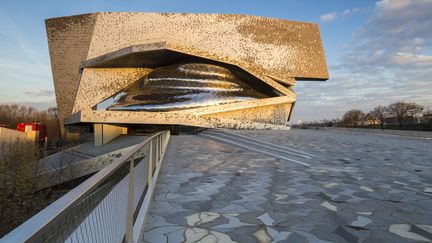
(185, 86)
(190, 82)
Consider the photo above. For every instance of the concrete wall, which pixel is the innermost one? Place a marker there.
(422, 134)
(104, 133)
(9, 135)
(33, 136)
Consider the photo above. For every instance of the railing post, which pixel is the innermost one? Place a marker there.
(130, 209)
(162, 139)
(157, 150)
(150, 165)
(160, 147)
(162, 143)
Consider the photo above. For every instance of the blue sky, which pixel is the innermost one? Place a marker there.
(378, 52)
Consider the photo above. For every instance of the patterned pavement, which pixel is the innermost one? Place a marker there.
(357, 188)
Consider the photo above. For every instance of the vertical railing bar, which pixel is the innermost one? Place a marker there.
(161, 143)
(165, 142)
(157, 150)
(160, 147)
(130, 209)
(150, 165)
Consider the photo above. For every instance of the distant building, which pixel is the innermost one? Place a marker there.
(371, 121)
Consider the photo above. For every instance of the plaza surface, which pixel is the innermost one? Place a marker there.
(348, 187)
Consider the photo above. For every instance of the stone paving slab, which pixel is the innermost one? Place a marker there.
(358, 188)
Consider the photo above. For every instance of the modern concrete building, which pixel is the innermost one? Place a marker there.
(204, 70)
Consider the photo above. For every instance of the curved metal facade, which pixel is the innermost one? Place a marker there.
(211, 70)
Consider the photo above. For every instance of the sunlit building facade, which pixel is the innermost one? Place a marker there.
(201, 70)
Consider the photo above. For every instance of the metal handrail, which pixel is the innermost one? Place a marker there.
(34, 229)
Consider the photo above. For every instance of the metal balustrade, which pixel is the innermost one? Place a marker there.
(110, 206)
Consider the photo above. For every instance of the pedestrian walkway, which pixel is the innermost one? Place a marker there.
(356, 187)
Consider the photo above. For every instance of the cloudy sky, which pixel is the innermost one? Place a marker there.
(378, 52)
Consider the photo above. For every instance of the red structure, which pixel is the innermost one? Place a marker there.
(37, 127)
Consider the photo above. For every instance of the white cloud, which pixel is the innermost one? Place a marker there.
(347, 12)
(398, 29)
(390, 60)
(334, 15)
(418, 41)
(328, 17)
(408, 58)
(40, 92)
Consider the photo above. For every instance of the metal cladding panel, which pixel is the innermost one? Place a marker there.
(68, 40)
(100, 83)
(278, 48)
(274, 50)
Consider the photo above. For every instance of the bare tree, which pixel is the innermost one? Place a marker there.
(18, 165)
(402, 110)
(353, 118)
(379, 114)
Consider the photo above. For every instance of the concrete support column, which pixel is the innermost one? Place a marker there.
(104, 133)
